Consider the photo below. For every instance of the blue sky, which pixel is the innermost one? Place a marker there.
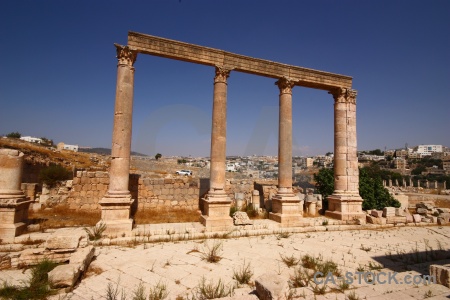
(58, 73)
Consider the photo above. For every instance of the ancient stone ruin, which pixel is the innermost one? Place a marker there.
(344, 204)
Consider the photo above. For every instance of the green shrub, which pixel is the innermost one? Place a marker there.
(53, 174)
(14, 135)
(37, 287)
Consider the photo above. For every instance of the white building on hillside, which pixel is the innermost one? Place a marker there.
(425, 150)
(31, 139)
(62, 146)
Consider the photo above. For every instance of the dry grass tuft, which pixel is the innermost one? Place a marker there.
(175, 215)
(62, 216)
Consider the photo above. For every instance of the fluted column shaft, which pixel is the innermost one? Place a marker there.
(219, 133)
(346, 173)
(121, 140)
(285, 137)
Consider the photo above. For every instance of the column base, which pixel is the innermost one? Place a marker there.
(286, 210)
(13, 217)
(346, 207)
(116, 214)
(216, 213)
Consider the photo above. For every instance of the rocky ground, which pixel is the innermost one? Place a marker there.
(182, 265)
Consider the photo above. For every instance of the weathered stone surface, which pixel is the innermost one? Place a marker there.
(29, 257)
(395, 220)
(64, 276)
(441, 273)
(271, 286)
(445, 216)
(388, 212)
(67, 239)
(400, 212)
(441, 221)
(241, 218)
(417, 218)
(409, 218)
(443, 210)
(422, 211)
(82, 257)
(377, 213)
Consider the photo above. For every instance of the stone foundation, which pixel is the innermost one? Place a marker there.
(216, 213)
(345, 207)
(286, 210)
(13, 204)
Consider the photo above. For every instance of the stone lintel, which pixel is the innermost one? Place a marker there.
(172, 49)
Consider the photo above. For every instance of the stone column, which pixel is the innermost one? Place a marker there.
(285, 204)
(117, 201)
(216, 205)
(345, 203)
(13, 204)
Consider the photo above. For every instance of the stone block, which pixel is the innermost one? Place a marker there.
(417, 218)
(443, 210)
(241, 218)
(426, 220)
(377, 213)
(271, 286)
(409, 218)
(441, 273)
(66, 239)
(82, 257)
(388, 212)
(445, 216)
(400, 212)
(422, 211)
(64, 276)
(395, 220)
(441, 221)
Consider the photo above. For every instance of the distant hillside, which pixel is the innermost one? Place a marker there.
(105, 151)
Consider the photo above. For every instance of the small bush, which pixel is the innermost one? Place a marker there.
(96, 232)
(158, 292)
(139, 293)
(283, 235)
(53, 174)
(14, 135)
(289, 260)
(211, 290)
(301, 278)
(243, 275)
(212, 254)
(37, 287)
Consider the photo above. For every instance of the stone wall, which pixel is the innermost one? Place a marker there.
(89, 187)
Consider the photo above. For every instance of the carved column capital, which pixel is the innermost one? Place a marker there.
(342, 95)
(221, 74)
(285, 85)
(125, 55)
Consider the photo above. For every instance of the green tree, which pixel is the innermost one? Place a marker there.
(14, 135)
(53, 174)
(324, 182)
(158, 156)
(371, 188)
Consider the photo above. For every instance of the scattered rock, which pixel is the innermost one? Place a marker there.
(377, 213)
(241, 218)
(271, 286)
(441, 273)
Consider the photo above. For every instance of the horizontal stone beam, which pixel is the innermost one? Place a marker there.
(172, 49)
